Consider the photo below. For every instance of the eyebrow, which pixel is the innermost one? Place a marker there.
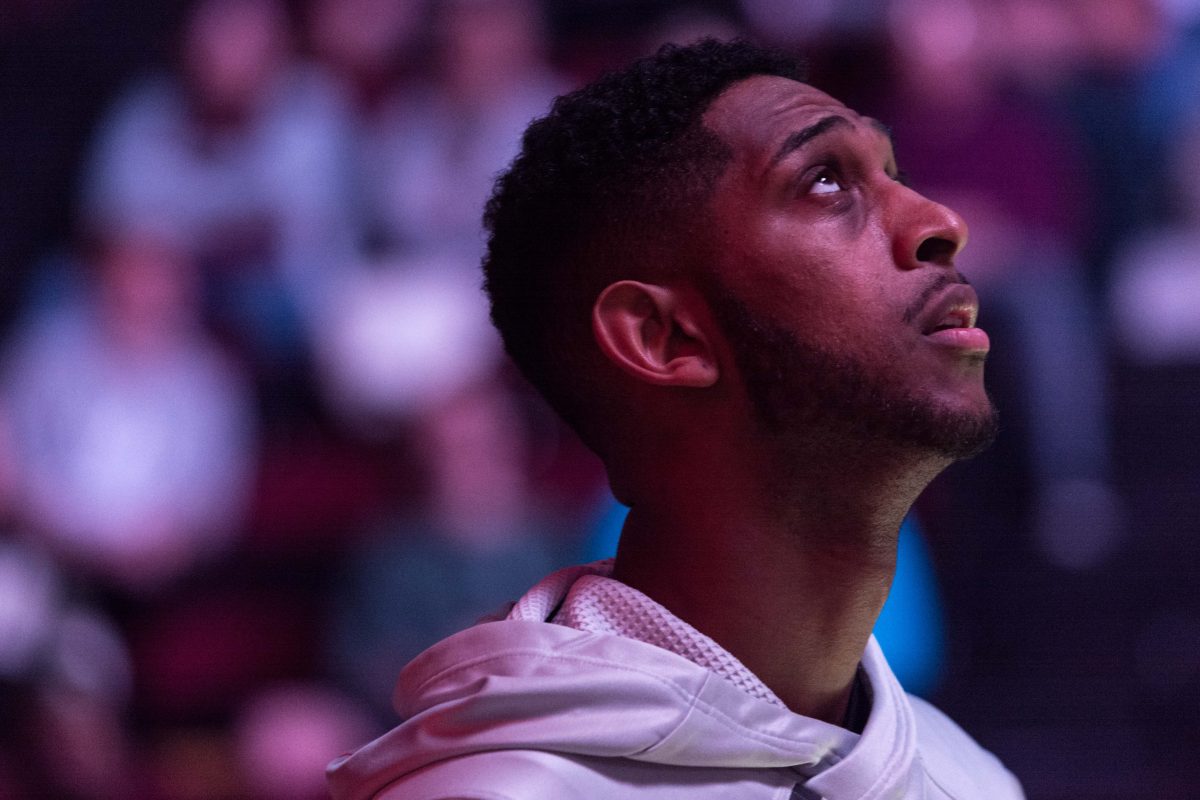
(803, 136)
(796, 140)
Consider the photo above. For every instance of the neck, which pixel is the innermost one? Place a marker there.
(790, 579)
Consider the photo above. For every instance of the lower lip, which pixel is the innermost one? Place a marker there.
(973, 340)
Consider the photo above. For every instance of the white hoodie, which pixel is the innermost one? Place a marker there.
(526, 709)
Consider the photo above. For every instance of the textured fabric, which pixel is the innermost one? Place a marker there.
(604, 605)
(524, 709)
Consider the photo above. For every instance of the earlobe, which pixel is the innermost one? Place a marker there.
(651, 333)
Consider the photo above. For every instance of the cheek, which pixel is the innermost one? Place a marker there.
(831, 297)
(852, 292)
(827, 283)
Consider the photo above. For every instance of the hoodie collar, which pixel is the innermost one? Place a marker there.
(524, 684)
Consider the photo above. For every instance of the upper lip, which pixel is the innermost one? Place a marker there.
(956, 306)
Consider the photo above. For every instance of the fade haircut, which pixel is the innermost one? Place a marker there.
(610, 184)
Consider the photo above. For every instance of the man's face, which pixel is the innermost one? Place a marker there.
(834, 283)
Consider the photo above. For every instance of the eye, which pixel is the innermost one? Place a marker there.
(826, 182)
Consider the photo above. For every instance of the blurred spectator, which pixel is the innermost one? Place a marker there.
(65, 684)
(1156, 284)
(369, 49)
(60, 63)
(398, 337)
(285, 734)
(242, 153)
(478, 539)
(430, 165)
(1170, 102)
(131, 433)
(367, 46)
(1121, 48)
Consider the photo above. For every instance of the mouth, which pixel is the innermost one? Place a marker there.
(960, 316)
(949, 320)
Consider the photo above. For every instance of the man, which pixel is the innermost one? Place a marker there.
(716, 275)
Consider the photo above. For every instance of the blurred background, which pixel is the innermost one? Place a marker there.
(259, 446)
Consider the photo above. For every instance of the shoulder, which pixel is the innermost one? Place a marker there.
(543, 775)
(508, 775)
(955, 762)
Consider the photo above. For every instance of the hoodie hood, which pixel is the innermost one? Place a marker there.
(523, 683)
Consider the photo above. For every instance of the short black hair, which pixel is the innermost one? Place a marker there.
(605, 187)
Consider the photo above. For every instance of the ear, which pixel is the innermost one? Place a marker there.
(650, 332)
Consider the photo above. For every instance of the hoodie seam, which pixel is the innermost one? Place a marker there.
(933, 779)
(729, 722)
(946, 789)
(889, 769)
(694, 701)
(526, 653)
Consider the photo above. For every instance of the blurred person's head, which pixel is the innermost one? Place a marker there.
(474, 446)
(942, 44)
(286, 734)
(80, 746)
(485, 46)
(1122, 36)
(1045, 44)
(703, 248)
(1036, 43)
(232, 52)
(73, 715)
(146, 286)
(364, 40)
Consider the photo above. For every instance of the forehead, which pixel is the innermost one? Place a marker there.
(757, 115)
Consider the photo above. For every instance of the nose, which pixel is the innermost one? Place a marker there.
(929, 234)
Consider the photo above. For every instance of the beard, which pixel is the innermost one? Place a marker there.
(807, 395)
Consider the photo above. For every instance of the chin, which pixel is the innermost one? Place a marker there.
(960, 433)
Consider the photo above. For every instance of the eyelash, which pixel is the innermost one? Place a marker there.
(833, 170)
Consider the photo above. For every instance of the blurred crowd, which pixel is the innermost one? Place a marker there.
(259, 444)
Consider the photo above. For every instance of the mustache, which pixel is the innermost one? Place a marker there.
(939, 283)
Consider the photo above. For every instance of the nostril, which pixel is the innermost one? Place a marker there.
(936, 250)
